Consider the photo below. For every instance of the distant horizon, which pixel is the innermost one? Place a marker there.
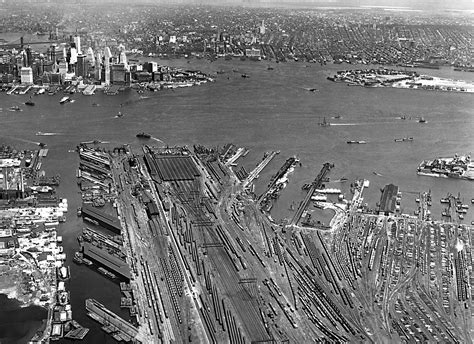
(415, 4)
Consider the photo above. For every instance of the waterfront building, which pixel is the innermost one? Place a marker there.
(388, 200)
(63, 67)
(117, 74)
(252, 53)
(26, 74)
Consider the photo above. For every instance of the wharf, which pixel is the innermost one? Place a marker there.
(110, 261)
(112, 323)
(316, 184)
(105, 220)
(256, 171)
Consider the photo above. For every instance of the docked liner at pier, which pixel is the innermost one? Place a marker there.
(460, 167)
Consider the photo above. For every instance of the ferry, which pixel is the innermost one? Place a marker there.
(64, 100)
(356, 142)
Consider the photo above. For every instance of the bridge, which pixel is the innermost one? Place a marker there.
(20, 43)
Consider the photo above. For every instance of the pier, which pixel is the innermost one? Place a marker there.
(105, 220)
(256, 171)
(316, 184)
(120, 329)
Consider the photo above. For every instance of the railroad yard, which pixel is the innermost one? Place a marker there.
(206, 263)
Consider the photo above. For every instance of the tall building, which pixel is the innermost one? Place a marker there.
(73, 56)
(123, 59)
(107, 57)
(81, 68)
(90, 56)
(77, 41)
(262, 27)
(98, 67)
(26, 74)
(29, 57)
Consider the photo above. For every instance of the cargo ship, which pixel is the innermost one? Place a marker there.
(143, 135)
(458, 167)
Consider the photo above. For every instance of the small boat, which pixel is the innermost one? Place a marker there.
(269, 68)
(64, 100)
(120, 114)
(143, 135)
(245, 76)
(360, 142)
(404, 139)
(95, 104)
(461, 217)
(29, 103)
(14, 108)
(324, 123)
(421, 120)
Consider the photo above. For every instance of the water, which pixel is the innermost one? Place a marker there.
(18, 325)
(271, 110)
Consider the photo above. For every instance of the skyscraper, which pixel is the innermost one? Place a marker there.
(123, 59)
(98, 67)
(107, 57)
(77, 41)
(81, 69)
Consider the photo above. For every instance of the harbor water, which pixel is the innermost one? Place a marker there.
(272, 109)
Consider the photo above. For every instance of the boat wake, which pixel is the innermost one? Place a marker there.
(40, 133)
(157, 139)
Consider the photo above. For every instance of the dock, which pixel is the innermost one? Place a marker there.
(256, 171)
(105, 220)
(316, 184)
(120, 329)
(110, 261)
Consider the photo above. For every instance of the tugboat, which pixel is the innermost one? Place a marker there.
(64, 100)
(143, 135)
(324, 123)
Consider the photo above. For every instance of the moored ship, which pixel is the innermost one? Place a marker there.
(143, 135)
(458, 167)
(64, 100)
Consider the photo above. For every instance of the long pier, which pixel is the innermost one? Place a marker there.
(256, 171)
(119, 328)
(316, 184)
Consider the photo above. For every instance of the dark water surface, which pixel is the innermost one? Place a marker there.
(271, 110)
(18, 325)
